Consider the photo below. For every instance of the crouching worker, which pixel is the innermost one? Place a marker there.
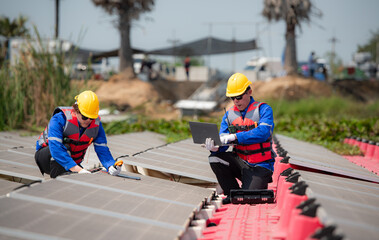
(62, 145)
(249, 125)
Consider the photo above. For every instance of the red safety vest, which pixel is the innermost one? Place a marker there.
(253, 153)
(71, 134)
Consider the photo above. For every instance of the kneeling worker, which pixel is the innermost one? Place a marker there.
(249, 124)
(62, 145)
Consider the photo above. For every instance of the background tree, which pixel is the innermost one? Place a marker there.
(8, 29)
(372, 46)
(293, 12)
(127, 11)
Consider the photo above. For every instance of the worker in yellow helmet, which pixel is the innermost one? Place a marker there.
(62, 145)
(249, 125)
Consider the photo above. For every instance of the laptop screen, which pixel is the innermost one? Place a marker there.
(200, 131)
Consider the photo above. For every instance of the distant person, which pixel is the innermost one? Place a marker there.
(167, 70)
(250, 125)
(312, 64)
(325, 72)
(62, 145)
(187, 64)
(173, 70)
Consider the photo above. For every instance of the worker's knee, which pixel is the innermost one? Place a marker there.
(42, 158)
(215, 160)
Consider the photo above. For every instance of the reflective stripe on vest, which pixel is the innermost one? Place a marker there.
(253, 153)
(71, 134)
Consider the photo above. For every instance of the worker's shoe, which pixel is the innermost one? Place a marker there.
(226, 200)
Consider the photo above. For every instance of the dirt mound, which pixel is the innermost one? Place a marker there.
(127, 92)
(364, 91)
(175, 90)
(291, 88)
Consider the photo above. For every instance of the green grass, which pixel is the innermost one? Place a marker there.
(336, 107)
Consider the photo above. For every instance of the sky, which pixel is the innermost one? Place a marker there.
(350, 21)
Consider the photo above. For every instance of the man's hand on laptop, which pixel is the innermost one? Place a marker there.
(210, 145)
(227, 138)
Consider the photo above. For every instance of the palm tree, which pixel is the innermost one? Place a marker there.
(292, 12)
(127, 11)
(8, 29)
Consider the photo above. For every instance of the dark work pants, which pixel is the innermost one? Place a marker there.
(227, 166)
(47, 164)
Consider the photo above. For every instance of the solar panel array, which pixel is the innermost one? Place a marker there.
(349, 204)
(92, 206)
(317, 157)
(99, 206)
(347, 193)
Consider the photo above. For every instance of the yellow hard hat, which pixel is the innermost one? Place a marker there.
(88, 104)
(237, 85)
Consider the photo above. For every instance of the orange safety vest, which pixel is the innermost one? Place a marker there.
(71, 134)
(252, 153)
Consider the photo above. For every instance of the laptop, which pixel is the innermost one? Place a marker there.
(201, 131)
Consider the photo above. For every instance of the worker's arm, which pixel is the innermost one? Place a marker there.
(57, 149)
(224, 130)
(102, 150)
(263, 131)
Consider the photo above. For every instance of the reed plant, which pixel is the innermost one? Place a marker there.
(34, 85)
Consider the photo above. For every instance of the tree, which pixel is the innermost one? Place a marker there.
(293, 12)
(8, 29)
(127, 11)
(372, 46)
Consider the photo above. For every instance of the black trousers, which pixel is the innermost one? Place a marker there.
(47, 164)
(227, 166)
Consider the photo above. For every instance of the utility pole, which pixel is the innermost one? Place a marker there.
(56, 19)
(174, 42)
(333, 40)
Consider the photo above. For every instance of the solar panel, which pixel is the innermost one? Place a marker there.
(317, 157)
(13, 140)
(8, 186)
(25, 219)
(352, 205)
(19, 163)
(146, 208)
(125, 144)
(177, 159)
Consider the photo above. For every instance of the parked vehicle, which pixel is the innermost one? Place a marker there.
(263, 68)
(320, 71)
